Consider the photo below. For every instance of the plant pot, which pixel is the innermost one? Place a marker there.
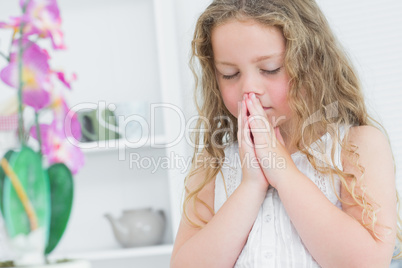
(64, 264)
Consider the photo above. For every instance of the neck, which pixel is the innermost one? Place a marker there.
(286, 132)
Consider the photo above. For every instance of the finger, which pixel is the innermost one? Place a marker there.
(241, 127)
(256, 104)
(258, 115)
(246, 128)
(260, 128)
(239, 121)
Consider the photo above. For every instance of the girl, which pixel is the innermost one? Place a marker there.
(301, 178)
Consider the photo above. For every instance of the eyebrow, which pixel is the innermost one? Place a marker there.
(261, 58)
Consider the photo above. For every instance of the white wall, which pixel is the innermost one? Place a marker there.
(371, 31)
(110, 46)
(187, 13)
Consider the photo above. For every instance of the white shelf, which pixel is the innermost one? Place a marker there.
(114, 145)
(157, 80)
(116, 253)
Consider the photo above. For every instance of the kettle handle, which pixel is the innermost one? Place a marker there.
(85, 119)
(162, 213)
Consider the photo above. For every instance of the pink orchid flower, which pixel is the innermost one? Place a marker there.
(14, 24)
(42, 17)
(69, 120)
(63, 79)
(57, 148)
(35, 74)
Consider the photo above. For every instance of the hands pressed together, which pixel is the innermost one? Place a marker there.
(264, 157)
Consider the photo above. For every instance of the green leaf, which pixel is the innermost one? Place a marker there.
(61, 189)
(27, 165)
(2, 178)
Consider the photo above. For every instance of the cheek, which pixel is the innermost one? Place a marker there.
(279, 95)
(230, 100)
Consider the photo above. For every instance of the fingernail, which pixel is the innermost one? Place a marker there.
(252, 95)
(244, 97)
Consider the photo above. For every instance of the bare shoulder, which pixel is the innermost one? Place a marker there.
(374, 170)
(368, 136)
(373, 151)
(371, 145)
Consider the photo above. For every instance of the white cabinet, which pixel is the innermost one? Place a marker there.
(122, 51)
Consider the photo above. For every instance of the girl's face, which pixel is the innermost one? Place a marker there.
(249, 58)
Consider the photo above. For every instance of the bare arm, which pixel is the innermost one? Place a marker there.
(220, 242)
(334, 237)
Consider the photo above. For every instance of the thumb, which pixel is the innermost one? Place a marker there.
(279, 136)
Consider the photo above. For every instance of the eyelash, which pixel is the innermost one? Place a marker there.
(228, 77)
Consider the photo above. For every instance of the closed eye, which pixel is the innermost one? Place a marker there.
(228, 77)
(271, 71)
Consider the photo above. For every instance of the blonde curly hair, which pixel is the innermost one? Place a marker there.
(321, 75)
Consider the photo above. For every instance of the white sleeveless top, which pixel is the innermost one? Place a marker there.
(273, 240)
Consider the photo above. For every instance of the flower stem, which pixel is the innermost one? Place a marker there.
(24, 7)
(20, 77)
(20, 85)
(30, 43)
(38, 132)
(4, 56)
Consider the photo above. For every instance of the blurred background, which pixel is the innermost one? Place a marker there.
(133, 53)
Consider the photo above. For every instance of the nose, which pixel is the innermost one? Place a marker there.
(251, 84)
